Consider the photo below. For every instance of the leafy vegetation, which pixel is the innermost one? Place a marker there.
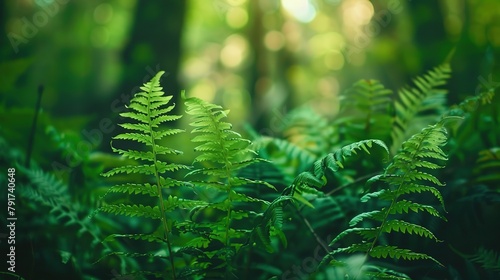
(380, 196)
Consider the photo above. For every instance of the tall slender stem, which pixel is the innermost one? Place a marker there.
(31, 140)
(160, 193)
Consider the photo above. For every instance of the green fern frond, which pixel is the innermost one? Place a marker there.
(488, 259)
(272, 223)
(222, 154)
(420, 105)
(306, 129)
(46, 189)
(148, 110)
(307, 182)
(406, 174)
(487, 166)
(471, 104)
(290, 158)
(366, 112)
(223, 150)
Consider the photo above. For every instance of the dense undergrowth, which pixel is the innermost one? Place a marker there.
(396, 185)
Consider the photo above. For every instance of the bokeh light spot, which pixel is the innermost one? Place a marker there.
(302, 10)
(236, 2)
(234, 51)
(357, 12)
(325, 42)
(103, 13)
(236, 17)
(274, 40)
(334, 60)
(204, 89)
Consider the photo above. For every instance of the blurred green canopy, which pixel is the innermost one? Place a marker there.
(252, 56)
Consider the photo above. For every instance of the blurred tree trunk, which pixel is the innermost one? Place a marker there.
(3, 22)
(154, 44)
(270, 90)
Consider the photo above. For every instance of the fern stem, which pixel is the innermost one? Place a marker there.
(229, 209)
(160, 194)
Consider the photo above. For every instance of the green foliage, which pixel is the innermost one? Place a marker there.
(420, 105)
(289, 157)
(410, 181)
(54, 209)
(369, 110)
(223, 153)
(366, 112)
(309, 181)
(487, 166)
(148, 109)
(205, 232)
(408, 173)
(488, 259)
(223, 217)
(45, 189)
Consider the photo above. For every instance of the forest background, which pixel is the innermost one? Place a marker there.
(262, 60)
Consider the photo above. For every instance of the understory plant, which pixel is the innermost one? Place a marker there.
(370, 177)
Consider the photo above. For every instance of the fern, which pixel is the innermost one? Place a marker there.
(420, 105)
(487, 166)
(147, 111)
(310, 181)
(488, 259)
(289, 158)
(271, 224)
(223, 152)
(47, 190)
(307, 129)
(366, 112)
(407, 175)
(471, 104)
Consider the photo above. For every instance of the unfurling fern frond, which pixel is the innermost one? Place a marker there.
(148, 110)
(223, 152)
(420, 105)
(366, 112)
(407, 176)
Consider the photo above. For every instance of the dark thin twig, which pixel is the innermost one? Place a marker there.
(309, 226)
(311, 229)
(31, 140)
